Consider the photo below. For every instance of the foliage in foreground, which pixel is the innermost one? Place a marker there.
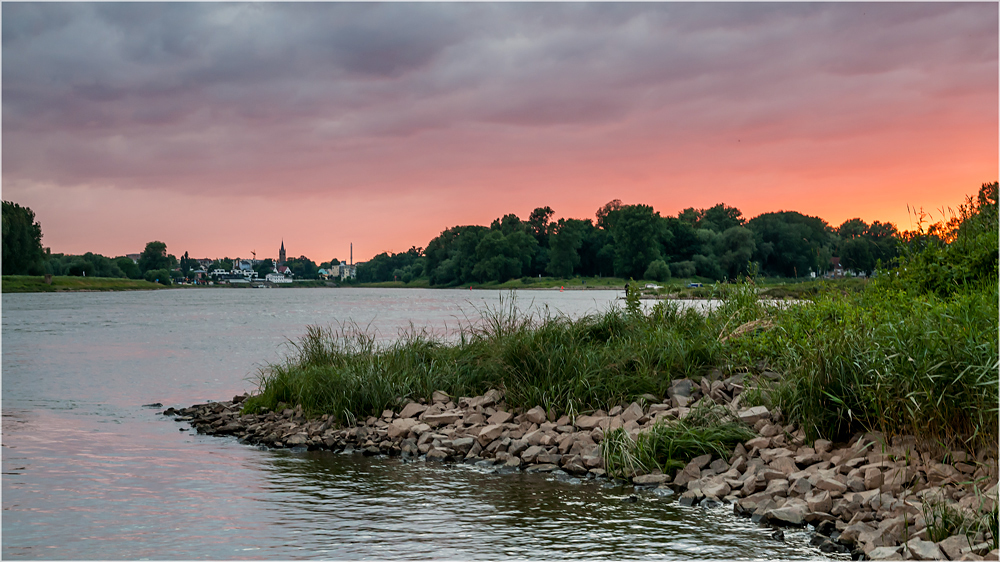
(668, 445)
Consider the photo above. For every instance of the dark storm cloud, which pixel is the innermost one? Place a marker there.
(99, 92)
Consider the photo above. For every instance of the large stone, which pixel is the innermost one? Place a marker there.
(750, 416)
(793, 513)
(682, 387)
(531, 453)
(440, 397)
(420, 429)
(547, 467)
(412, 410)
(489, 433)
(924, 550)
(518, 446)
(819, 500)
(831, 485)
(955, 546)
(715, 489)
(437, 420)
(437, 455)
(650, 479)
(535, 415)
(463, 444)
(885, 553)
(400, 427)
(548, 458)
(873, 478)
(500, 418)
(785, 465)
(633, 412)
(800, 487)
(590, 422)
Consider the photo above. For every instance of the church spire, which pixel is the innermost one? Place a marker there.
(281, 253)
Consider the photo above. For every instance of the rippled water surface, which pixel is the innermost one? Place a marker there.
(89, 473)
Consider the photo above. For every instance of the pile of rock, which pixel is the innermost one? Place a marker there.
(865, 496)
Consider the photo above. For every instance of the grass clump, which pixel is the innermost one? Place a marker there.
(569, 366)
(945, 520)
(669, 445)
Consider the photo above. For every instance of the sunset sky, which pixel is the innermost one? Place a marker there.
(224, 128)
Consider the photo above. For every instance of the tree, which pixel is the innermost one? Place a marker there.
(658, 270)
(303, 267)
(603, 212)
(503, 257)
(790, 244)
(264, 267)
(733, 250)
(187, 264)
(538, 222)
(564, 245)
(128, 267)
(637, 231)
(155, 256)
(161, 276)
(22, 241)
(721, 218)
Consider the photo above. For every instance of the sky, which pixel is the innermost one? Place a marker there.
(223, 128)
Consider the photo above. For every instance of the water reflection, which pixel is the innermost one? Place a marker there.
(428, 510)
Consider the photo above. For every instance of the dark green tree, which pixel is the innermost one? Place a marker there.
(658, 270)
(565, 241)
(503, 257)
(790, 244)
(155, 256)
(303, 268)
(638, 232)
(128, 267)
(22, 241)
(721, 218)
(539, 223)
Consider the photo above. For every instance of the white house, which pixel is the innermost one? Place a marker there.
(276, 278)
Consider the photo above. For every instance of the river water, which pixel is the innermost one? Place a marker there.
(90, 473)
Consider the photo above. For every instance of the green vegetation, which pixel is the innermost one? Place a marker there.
(37, 284)
(667, 446)
(896, 354)
(633, 241)
(22, 241)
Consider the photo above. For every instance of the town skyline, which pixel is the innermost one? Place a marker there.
(219, 128)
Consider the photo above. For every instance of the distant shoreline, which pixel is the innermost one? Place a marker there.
(775, 289)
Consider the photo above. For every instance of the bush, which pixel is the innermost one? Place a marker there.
(161, 276)
(683, 269)
(658, 270)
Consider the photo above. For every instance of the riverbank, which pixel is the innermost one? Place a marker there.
(878, 498)
(37, 284)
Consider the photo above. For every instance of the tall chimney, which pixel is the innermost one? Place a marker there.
(352, 253)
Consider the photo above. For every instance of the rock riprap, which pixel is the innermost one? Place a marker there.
(869, 496)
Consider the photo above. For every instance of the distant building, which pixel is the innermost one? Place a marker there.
(281, 253)
(347, 270)
(133, 257)
(276, 278)
(284, 270)
(838, 270)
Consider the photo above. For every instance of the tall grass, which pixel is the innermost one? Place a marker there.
(569, 366)
(669, 445)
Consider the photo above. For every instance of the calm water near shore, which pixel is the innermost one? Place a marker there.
(89, 473)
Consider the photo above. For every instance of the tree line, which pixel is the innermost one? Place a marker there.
(635, 241)
(626, 241)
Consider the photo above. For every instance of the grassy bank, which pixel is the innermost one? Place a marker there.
(37, 284)
(879, 358)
